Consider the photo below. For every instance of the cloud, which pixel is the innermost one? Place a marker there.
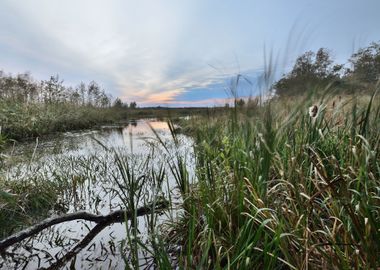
(158, 51)
(146, 52)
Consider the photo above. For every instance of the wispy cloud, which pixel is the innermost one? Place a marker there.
(142, 50)
(153, 51)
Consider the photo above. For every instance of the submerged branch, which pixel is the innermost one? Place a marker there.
(116, 216)
(81, 245)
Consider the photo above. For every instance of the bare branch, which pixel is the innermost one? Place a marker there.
(117, 216)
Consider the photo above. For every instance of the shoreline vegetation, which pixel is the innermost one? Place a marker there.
(291, 182)
(23, 122)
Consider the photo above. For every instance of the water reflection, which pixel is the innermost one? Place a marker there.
(92, 181)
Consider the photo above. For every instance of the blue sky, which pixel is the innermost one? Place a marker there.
(175, 53)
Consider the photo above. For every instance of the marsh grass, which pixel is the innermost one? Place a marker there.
(280, 189)
(21, 203)
(22, 121)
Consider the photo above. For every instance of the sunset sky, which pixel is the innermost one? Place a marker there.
(175, 52)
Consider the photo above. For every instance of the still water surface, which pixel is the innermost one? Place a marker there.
(84, 164)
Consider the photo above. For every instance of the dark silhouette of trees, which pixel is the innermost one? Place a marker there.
(118, 103)
(314, 71)
(366, 64)
(240, 103)
(310, 70)
(133, 105)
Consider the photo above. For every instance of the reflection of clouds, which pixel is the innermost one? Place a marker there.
(159, 125)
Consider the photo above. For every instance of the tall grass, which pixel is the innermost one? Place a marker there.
(281, 189)
(21, 121)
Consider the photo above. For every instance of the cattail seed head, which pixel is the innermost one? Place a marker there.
(313, 111)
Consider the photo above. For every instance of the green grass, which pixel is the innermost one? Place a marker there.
(279, 189)
(23, 203)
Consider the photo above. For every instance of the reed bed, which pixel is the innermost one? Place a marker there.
(283, 188)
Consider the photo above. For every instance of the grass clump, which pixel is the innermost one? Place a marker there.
(24, 202)
(281, 189)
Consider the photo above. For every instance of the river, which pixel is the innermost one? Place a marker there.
(90, 167)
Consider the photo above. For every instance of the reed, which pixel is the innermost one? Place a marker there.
(285, 190)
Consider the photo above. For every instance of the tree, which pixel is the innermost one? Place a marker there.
(93, 92)
(309, 71)
(133, 105)
(104, 100)
(81, 89)
(366, 64)
(22, 88)
(75, 97)
(240, 103)
(118, 103)
(53, 89)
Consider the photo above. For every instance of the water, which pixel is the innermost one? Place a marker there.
(85, 166)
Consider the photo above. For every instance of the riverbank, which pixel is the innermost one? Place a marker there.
(22, 121)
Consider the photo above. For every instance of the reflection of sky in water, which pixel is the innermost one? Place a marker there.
(130, 137)
(68, 156)
(80, 143)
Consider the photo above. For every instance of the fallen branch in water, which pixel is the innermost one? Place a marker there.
(117, 216)
(73, 252)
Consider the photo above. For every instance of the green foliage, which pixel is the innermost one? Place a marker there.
(283, 190)
(366, 64)
(310, 70)
(316, 71)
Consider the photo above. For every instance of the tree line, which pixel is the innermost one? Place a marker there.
(315, 70)
(22, 88)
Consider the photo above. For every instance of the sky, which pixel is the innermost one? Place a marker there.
(177, 52)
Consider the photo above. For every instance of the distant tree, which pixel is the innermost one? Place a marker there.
(366, 64)
(240, 103)
(104, 100)
(310, 70)
(81, 89)
(74, 96)
(53, 89)
(117, 103)
(133, 105)
(304, 66)
(93, 91)
(22, 88)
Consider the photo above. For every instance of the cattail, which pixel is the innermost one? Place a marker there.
(313, 111)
